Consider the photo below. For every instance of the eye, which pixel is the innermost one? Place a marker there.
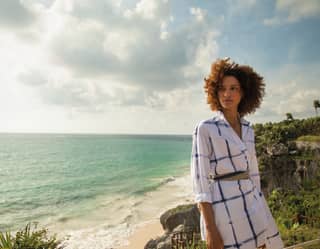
(220, 87)
(235, 88)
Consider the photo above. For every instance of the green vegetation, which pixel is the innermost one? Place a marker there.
(296, 210)
(297, 214)
(309, 138)
(194, 244)
(285, 131)
(29, 239)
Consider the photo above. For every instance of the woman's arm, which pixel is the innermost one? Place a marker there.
(253, 165)
(200, 170)
(213, 239)
(208, 215)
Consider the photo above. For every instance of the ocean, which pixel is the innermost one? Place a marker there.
(92, 190)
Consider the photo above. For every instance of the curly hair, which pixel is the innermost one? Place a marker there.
(251, 83)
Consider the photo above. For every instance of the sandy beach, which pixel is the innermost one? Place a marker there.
(143, 234)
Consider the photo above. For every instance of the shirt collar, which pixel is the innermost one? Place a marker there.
(222, 117)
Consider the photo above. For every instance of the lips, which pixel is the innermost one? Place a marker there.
(227, 100)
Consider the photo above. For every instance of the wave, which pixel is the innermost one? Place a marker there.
(112, 231)
(64, 219)
(154, 187)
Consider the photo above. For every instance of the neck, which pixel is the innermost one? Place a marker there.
(232, 116)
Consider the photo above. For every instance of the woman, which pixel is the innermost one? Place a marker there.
(224, 168)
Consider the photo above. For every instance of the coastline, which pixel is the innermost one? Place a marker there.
(152, 228)
(139, 221)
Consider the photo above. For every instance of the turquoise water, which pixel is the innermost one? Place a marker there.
(56, 178)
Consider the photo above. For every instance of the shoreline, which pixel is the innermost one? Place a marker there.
(140, 223)
(142, 234)
(137, 222)
(152, 228)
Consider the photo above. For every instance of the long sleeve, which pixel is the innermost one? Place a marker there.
(254, 167)
(200, 164)
(254, 172)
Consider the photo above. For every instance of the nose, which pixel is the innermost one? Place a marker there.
(226, 93)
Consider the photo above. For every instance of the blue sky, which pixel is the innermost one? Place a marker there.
(137, 66)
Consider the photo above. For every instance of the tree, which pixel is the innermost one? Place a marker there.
(289, 116)
(316, 105)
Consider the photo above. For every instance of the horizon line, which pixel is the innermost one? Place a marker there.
(90, 133)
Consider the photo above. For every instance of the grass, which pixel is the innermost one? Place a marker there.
(28, 238)
(309, 138)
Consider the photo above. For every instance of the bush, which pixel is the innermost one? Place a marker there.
(29, 239)
(297, 214)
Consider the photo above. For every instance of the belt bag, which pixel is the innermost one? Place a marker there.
(234, 176)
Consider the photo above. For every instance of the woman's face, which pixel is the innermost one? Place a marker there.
(230, 93)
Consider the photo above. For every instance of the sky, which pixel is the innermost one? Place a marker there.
(137, 66)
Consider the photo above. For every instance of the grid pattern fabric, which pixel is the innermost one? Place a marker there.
(241, 212)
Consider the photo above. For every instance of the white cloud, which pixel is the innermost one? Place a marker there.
(202, 57)
(15, 14)
(290, 92)
(87, 67)
(164, 35)
(95, 66)
(299, 9)
(238, 6)
(198, 13)
(299, 103)
(119, 43)
(147, 8)
(290, 11)
(132, 51)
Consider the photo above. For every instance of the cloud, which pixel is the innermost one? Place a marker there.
(238, 6)
(13, 14)
(299, 103)
(202, 57)
(92, 58)
(292, 88)
(291, 11)
(32, 78)
(148, 9)
(99, 96)
(198, 13)
(57, 88)
(96, 62)
(137, 49)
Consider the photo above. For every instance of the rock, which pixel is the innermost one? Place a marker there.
(277, 149)
(162, 242)
(288, 167)
(166, 244)
(180, 228)
(292, 146)
(307, 144)
(151, 244)
(183, 218)
(188, 215)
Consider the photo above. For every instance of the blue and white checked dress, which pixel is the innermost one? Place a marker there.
(241, 212)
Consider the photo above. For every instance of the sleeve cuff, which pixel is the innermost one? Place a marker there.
(203, 197)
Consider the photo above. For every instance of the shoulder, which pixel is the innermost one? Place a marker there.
(249, 126)
(207, 126)
(246, 123)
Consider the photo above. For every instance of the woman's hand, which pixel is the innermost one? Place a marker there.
(214, 240)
